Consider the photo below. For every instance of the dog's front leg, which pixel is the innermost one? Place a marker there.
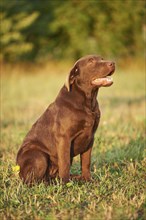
(85, 164)
(64, 160)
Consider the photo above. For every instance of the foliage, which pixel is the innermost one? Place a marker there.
(118, 159)
(61, 29)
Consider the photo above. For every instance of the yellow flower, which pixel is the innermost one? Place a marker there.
(16, 168)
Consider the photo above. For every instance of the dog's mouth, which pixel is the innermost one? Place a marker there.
(103, 81)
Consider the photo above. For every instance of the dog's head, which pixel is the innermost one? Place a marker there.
(91, 72)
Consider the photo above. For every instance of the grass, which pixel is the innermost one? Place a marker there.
(117, 191)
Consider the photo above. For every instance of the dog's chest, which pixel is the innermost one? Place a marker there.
(86, 135)
(91, 124)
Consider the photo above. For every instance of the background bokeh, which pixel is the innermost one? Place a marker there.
(41, 30)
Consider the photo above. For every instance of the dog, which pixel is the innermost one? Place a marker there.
(67, 127)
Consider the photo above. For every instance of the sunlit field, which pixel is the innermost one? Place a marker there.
(117, 191)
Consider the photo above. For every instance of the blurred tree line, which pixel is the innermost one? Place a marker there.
(60, 29)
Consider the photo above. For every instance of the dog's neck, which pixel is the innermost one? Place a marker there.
(87, 98)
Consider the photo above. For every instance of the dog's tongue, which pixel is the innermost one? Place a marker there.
(107, 81)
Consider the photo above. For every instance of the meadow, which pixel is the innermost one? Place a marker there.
(117, 191)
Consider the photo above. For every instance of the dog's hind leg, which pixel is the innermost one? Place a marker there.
(33, 166)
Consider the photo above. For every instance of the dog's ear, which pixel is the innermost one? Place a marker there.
(71, 77)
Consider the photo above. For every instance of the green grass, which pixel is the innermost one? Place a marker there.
(118, 158)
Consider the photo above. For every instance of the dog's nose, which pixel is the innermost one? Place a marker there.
(111, 64)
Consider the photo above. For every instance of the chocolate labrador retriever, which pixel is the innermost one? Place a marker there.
(67, 127)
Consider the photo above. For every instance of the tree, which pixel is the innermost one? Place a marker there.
(62, 29)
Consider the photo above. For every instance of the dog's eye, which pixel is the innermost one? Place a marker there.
(91, 60)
